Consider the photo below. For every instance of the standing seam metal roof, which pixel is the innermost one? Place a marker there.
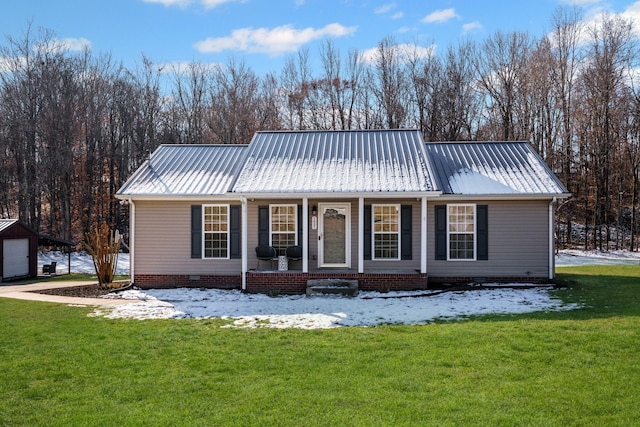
(492, 168)
(336, 161)
(187, 170)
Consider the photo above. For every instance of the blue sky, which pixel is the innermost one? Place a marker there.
(265, 32)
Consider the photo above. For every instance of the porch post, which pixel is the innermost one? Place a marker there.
(305, 235)
(243, 232)
(423, 236)
(132, 241)
(360, 234)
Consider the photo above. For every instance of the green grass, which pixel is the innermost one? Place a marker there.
(60, 367)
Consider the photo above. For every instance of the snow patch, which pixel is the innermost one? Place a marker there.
(467, 181)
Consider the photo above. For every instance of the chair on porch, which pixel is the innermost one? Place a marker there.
(266, 253)
(294, 253)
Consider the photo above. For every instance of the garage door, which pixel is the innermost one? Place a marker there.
(15, 261)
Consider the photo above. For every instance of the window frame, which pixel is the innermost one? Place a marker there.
(205, 232)
(474, 233)
(398, 231)
(295, 225)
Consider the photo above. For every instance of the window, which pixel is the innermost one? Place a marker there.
(284, 227)
(386, 231)
(216, 231)
(461, 229)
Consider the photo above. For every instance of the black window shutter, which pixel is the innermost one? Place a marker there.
(482, 220)
(196, 231)
(441, 232)
(263, 225)
(235, 232)
(406, 232)
(367, 232)
(299, 225)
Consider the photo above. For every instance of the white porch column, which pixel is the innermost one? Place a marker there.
(360, 234)
(551, 241)
(423, 236)
(305, 235)
(132, 240)
(245, 239)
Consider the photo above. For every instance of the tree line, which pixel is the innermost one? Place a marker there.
(74, 126)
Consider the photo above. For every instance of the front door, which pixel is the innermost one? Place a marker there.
(334, 245)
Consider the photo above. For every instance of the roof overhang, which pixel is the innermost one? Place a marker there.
(239, 196)
(504, 197)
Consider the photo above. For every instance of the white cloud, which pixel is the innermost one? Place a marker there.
(385, 8)
(74, 44)
(471, 26)
(404, 51)
(168, 3)
(397, 15)
(208, 4)
(441, 15)
(274, 41)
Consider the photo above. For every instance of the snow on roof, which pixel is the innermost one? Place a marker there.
(336, 161)
(187, 170)
(492, 168)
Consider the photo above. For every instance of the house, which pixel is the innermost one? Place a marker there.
(379, 207)
(18, 250)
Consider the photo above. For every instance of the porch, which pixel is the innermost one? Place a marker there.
(296, 281)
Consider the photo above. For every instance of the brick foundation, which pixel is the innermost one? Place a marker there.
(148, 281)
(292, 282)
(296, 283)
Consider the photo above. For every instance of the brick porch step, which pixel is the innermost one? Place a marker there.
(332, 287)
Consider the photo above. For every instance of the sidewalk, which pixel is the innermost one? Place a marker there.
(24, 291)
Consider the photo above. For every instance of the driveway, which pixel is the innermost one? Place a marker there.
(28, 291)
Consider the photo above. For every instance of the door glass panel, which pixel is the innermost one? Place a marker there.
(334, 223)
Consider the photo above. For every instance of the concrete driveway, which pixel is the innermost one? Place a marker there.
(25, 291)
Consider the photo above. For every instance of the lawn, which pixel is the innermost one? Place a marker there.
(60, 367)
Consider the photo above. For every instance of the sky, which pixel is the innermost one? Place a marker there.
(264, 33)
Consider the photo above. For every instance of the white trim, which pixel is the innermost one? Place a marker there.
(475, 233)
(132, 240)
(305, 235)
(360, 235)
(551, 241)
(204, 206)
(347, 243)
(295, 222)
(423, 236)
(243, 251)
(397, 233)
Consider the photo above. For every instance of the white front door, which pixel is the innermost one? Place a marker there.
(334, 225)
(16, 258)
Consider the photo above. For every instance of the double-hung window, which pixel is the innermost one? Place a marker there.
(216, 231)
(386, 232)
(283, 226)
(461, 230)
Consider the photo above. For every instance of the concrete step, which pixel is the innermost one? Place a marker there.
(332, 287)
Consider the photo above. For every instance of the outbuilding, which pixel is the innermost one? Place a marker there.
(18, 250)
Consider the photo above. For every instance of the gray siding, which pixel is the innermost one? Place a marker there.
(518, 243)
(163, 242)
(370, 266)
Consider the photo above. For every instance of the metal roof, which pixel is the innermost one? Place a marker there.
(492, 168)
(336, 161)
(6, 223)
(186, 170)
